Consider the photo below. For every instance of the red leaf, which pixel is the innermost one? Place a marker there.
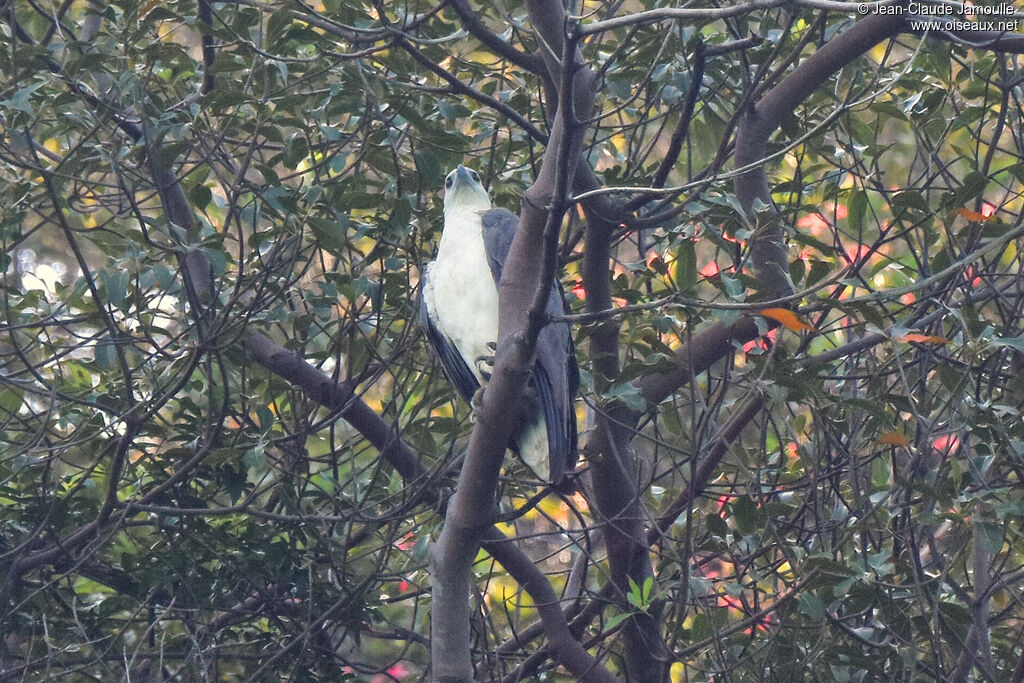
(917, 338)
(973, 216)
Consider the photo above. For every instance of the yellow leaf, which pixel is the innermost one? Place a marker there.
(787, 318)
(917, 338)
(555, 508)
(894, 438)
(505, 528)
(879, 52)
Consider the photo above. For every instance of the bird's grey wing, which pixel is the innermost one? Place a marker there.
(557, 379)
(499, 227)
(452, 362)
(556, 376)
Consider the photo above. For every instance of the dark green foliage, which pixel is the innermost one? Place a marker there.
(202, 516)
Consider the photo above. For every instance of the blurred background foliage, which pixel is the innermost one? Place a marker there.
(206, 520)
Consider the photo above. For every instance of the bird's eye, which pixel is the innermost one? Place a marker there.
(475, 175)
(448, 182)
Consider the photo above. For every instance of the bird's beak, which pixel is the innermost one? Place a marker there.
(463, 175)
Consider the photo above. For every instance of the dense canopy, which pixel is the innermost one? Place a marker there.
(790, 235)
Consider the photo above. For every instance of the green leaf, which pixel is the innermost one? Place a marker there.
(995, 228)
(332, 235)
(716, 525)
(277, 24)
(1016, 343)
(686, 266)
(629, 395)
(867, 312)
(640, 597)
(105, 354)
(797, 269)
(265, 419)
(732, 286)
(809, 241)
(254, 457)
(428, 167)
(819, 269)
(11, 399)
(874, 407)
(857, 209)
(990, 536)
(200, 196)
(76, 375)
(116, 284)
(419, 551)
(910, 199)
(633, 596)
(20, 99)
(972, 188)
(941, 261)
(745, 514)
(615, 620)
(812, 606)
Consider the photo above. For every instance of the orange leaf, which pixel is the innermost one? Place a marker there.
(787, 318)
(894, 438)
(973, 216)
(147, 6)
(915, 337)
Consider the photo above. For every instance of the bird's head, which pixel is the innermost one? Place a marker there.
(464, 192)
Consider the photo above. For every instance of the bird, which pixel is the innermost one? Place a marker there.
(459, 314)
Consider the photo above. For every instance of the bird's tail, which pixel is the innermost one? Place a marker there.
(533, 448)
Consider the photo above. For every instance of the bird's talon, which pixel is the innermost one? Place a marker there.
(476, 404)
(485, 366)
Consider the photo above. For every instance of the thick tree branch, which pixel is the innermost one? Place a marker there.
(698, 354)
(616, 493)
(197, 277)
(498, 46)
(527, 271)
(205, 13)
(340, 397)
(768, 252)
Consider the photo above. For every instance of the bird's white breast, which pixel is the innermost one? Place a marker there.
(464, 296)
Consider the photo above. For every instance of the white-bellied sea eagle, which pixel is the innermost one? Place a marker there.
(459, 312)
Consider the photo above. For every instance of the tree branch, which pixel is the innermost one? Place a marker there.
(528, 270)
(460, 87)
(616, 495)
(768, 252)
(568, 649)
(498, 46)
